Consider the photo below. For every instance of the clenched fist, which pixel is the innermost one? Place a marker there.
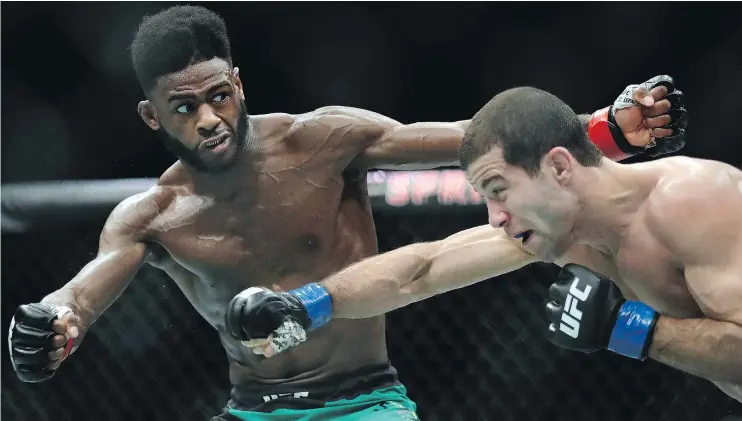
(40, 338)
(270, 322)
(646, 118)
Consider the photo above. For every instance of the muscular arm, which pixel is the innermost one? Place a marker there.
(709, 248)
(416, 146)
(709, 347)
(418, 271)
(120, 255)
(377, 141)
(413, 273)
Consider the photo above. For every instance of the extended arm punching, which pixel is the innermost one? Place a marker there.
(620, 131)
(375, 286)
(413, 273)
(416, 272)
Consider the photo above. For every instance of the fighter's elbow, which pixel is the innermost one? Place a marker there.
(436, 280)
(414, 276)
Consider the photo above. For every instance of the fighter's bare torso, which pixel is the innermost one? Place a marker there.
(644, 266)
(299, 214)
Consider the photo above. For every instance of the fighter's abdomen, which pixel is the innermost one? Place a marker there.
(341, 346)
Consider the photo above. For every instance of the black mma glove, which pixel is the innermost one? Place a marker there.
(256, 313)
(588, 313)
(606, 134)
(31, 340)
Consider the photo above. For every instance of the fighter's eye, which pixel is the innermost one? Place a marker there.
(220, 97)
(184, 109)
(498, 194)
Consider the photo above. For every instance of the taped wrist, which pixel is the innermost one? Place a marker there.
(317, 302)
(61, 311)
(608, 137)
(633, 330)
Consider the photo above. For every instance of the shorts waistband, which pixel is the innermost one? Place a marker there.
(312, 394)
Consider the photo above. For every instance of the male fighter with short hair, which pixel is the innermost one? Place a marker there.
(668, 234)
(274, 200)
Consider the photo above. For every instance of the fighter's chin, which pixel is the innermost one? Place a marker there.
(217, 163)
(543, 248)
(220, 168)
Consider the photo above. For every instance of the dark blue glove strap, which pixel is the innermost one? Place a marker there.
(317, 302)
(633, 330)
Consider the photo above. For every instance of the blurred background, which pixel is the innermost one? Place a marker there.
(69, 99)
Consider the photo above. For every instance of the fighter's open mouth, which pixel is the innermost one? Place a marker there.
(524, 236)
(211, 144)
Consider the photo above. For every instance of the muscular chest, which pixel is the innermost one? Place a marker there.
(649, 274)
(279, 226)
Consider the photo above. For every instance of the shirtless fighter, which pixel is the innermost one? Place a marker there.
(272, 200)
(651, 252)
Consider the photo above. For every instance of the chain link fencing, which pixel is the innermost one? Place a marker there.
(474, 354)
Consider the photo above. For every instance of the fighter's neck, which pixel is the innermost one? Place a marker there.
(236, 177)
(610, 198)
(243, 175)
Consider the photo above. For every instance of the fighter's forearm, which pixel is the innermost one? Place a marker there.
(413, 273)
(98, 285)
(707, 348)
(377, 285)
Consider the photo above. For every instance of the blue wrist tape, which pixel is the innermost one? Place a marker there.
(633, 330)
(317, 302)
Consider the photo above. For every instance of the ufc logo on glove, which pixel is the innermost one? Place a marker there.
(592, 315)
(570, 322)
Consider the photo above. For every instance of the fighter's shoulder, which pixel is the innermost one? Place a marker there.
(351, 114)
(330, 126)
(687, 185)
(336, 117)
(133, 216)
(269, 125)
(694, 198)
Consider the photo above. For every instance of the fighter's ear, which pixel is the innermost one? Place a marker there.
(238, 82)
(148, 113)
(559, 163)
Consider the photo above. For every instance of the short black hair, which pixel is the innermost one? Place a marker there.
(176, 38)
(527, 123)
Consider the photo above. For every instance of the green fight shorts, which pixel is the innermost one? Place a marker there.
(384, 404)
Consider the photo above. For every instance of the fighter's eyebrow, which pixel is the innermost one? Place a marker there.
(491, 179)
(188, 95)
